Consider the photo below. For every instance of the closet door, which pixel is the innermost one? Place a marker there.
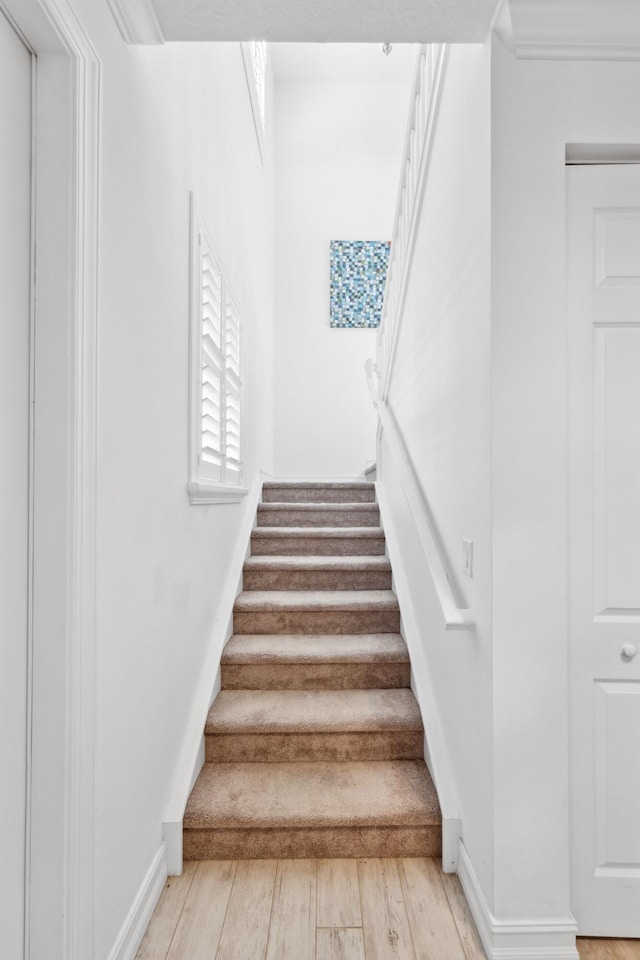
(604, 544)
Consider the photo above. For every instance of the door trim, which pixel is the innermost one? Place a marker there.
(66, 234)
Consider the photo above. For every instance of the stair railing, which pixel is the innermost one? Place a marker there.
(423, 110)
(454, 616)
(425, 99)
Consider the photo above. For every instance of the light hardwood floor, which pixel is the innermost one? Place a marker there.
(324, 910)
(312, 910)
(599, 949)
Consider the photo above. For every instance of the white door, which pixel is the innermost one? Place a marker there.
(15, 258)
(604, 545)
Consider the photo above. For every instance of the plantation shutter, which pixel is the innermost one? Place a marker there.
(232, 392)
(215, 380)
(212, 366)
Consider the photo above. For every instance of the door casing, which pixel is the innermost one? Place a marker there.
(60, 802)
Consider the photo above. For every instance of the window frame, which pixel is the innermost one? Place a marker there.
(202, 487)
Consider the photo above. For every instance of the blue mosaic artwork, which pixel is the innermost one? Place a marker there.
(358, 274)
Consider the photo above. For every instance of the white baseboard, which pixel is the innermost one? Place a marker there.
(451, 837)
(137, 920)
(172, 835)
(528, 938)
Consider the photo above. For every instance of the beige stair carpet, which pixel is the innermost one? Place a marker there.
(314, 746)
(315, 662)
(317, 573)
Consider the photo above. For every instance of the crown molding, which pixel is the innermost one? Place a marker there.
(571, 29)
(137, 21)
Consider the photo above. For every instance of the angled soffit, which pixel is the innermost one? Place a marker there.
(311, 21)
(532, 29)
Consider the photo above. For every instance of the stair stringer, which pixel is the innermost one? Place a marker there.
(193, 752)
(435, 748)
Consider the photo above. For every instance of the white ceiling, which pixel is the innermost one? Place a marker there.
(324, 21)
(345, 62)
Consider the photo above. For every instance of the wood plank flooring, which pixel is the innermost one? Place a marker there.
(600, 949)
(324, 910)
(312, 910)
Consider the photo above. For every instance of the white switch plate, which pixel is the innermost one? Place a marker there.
(467, 557)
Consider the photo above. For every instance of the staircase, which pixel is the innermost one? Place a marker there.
(314, 745)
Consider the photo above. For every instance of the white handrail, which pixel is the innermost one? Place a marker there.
(454, 617)
(425, 99)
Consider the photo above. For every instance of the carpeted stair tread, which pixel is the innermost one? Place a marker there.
(317, 533)
(317, 573)
(314, 541)
(317, 711)
(313, 795)
(279, 506)
(317, 485)
(306, 562)
(331, 492)
(318, 514)
(315, 600)
(315, 661)
(320, 649)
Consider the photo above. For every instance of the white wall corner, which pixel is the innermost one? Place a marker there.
(137, 920)
(501, 24)
(192, 755)
(137, 21)
(525, 938)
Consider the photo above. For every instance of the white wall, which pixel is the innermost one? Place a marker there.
(175, 118)
(537, 108)
(440, 395)
(337, 156)
(478, 391)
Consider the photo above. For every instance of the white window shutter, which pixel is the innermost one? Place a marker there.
(212, 365)
(232, 393)
(215, 473)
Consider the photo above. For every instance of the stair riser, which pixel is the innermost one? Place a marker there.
(317, 546)
(290, 517)
(316, 580)
(317, 621)
(318, 495)
(305, 747)
(285, 844)
(329, 676)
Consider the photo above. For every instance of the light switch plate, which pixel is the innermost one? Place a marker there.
(467, 557)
